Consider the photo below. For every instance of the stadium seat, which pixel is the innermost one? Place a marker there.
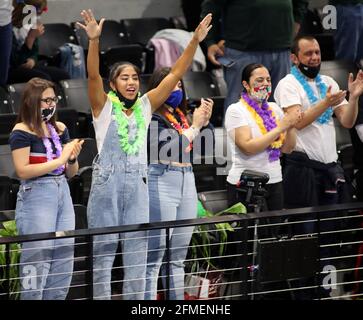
(141, 30)
(113, 34)
(5, 103)
(76, 94)
(88, 153)
(55, 35)
(7, 122)
(339, 71)
(200, 85)
(133, 53)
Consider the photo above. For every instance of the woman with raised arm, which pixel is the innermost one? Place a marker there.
(119, 192)
(174, 135)
(44, 203)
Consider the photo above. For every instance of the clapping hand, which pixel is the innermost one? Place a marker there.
(355, 87)
(77, 147)
(207, 106)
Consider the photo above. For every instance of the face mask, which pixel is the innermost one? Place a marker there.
(260, 93)
(127, 102)
(175, 99)
(310, 72)
(47, 113)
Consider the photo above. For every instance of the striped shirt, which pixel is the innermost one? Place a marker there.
(22, 139)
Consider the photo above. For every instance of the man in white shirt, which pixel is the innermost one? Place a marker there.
(312, 176)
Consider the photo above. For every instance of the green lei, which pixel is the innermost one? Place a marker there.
(123, 124)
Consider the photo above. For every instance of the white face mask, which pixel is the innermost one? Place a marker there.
(47, 113)
(260, 93)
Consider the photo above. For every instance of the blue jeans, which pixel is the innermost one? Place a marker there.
(45, 205)
(348, 36)
(173, 196)
(119, 196)
(276, 61)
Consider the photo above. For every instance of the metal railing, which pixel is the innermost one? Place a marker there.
(306, 253)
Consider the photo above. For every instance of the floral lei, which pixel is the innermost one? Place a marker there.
(123, 124)
(266, 121)
(49, 149)
(326, 116)
(176, 125)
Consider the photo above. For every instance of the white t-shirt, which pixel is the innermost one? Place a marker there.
(6, 8)
(238, 116)
(102, 122)
(316, 140)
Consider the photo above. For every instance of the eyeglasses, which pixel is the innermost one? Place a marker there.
(49, 100)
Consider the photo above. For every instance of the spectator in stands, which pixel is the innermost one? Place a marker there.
(312, 175)
(258, 131)
(24, 63)
(172, 190)
(348, 36)
(5, 39)
(44, 202)
(254, 31)
(119, 193)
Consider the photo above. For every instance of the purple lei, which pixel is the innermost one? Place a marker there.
(268, 121)
(49, 149)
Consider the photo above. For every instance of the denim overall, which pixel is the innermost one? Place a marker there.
(119, 196)
(45, 205)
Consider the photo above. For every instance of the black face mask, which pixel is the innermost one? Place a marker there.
(47, 113)
(310, 72)
(127, 102)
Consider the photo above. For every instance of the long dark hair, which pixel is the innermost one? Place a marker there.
(247, 72)
(158, 76)
(30, 105)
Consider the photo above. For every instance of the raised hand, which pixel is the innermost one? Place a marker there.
(355, 87)
(92, 28)
(203, 28)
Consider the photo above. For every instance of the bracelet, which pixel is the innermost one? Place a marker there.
(72, 161)
(196, 131)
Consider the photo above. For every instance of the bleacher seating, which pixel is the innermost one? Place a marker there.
(113, 34)
(5, 103)
(141, 30)
(7, 122)
(339, 71)
(133, 53)
(55, 35)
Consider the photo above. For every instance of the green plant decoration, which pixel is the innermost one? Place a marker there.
(10, 231)
(201, 239)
